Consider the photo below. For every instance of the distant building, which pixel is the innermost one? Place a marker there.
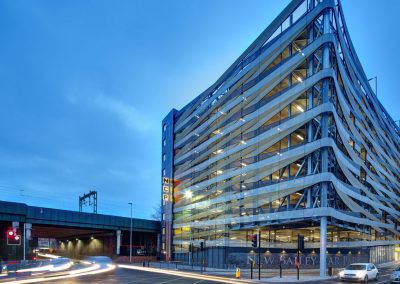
(290, 140)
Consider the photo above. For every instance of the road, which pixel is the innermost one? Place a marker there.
(125, 276)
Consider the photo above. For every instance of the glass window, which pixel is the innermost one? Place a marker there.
(164, 142)
(164, 172)
(164, 157)
(164, 127)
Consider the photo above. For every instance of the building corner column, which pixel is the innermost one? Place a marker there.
(322, 244)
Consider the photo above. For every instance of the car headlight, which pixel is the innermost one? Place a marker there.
(360, 274)
(341, 273)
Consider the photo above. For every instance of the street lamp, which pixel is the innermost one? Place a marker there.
(376, 84)
(130, 237)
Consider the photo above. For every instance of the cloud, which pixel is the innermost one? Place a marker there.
(127, 114)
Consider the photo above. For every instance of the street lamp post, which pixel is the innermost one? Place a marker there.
(130, 237)
(376, 84)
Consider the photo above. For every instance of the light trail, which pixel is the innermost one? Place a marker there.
(48, 255)
(93, 270)
(182, 274)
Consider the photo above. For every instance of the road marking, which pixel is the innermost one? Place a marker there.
(170, 280)
(145, 279)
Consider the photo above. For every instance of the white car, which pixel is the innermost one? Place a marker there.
(395, 277)
(360, 272)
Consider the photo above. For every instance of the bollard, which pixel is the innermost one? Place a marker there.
(144, 264)
(237, 272)
(280, 270)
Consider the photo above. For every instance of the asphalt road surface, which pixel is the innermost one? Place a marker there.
(126, 276)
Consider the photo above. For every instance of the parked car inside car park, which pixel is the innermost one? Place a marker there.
(395, 277)
(359, 272)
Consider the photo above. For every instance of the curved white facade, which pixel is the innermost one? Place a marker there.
(291, 139)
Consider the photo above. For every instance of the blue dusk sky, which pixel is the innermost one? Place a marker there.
(84, 86)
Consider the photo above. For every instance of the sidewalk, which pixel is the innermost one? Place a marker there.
(267, 275)
(288, 279)
(272, 275)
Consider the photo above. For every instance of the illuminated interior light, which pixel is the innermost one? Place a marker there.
(244, 98)
(242, 119)
(298, 164)
(303, 54)
(244, 174)
(222, 112)
(233, 238)
(219, 151)
(197, 134)
(300, 108)
(299, 79)
(244, 164)
(243, 142)
(196, 116)
(216, 131)
(243, 186)
(219, 172)
(300, 137)
(188, 194)
(279, 129)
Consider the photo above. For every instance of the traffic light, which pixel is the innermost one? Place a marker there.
(254, 239)
(300, 242)
(13, 238)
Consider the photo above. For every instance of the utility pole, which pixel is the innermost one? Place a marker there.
(88, 199)
(130, 237)
(259, 255)
(376, 84)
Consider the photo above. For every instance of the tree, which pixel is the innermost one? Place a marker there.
(157, 211)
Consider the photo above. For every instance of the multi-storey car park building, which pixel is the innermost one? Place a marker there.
(290, 140)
